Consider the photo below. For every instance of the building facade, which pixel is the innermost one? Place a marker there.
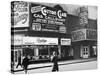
(38, 30)
(83, 34)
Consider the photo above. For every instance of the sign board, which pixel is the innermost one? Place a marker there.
(40, 41)
(78, 35)
(65, 41)
(19, 14)
(91, 34)
(44, 18)
(83, 16)
(17, 40)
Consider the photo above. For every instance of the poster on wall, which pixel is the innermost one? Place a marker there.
(44, 18)
(19, 14)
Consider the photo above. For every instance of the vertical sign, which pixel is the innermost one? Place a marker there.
(83, 16)
(19, 14)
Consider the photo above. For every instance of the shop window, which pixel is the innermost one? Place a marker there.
(28, 51)
(43, 51)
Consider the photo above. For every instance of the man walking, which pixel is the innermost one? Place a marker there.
(19, 62)
(25, 63)
(55, 62)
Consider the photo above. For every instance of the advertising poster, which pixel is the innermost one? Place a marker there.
(19, 14)
(44, 18)
(79, 35)
(91, 34)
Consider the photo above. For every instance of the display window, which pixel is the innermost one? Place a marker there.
(39, 52)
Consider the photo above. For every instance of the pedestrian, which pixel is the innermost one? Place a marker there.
(25, 63)
(19, 62)
(55, 62)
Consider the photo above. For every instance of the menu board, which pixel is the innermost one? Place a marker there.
(44, 18)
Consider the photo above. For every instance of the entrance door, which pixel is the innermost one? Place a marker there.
(85, 52)
(17, 56)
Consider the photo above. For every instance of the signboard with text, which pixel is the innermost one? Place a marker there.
(40, 41)
(65, 41)
(91, 34)
(17, 40)
(44, 18)
(19, 14)
(78, 35)
(83, 16)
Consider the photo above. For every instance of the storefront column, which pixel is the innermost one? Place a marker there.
(49, 51)
(36, 53)
(81, 51)
(59, 50)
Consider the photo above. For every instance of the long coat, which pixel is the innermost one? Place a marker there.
(55, 63)
(25, 62)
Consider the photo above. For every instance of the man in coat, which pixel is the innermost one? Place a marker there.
(19, 62)
(55, 62)
(25, 63)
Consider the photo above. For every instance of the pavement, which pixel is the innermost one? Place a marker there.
(49, 64)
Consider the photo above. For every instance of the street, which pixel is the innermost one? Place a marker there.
(70, 67)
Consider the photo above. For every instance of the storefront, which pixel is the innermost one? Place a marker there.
(39, 48)
(66, 51)
(16, 48)
(84, 43)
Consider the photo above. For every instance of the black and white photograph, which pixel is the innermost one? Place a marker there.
(53, 37)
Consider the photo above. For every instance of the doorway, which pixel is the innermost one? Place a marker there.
(85, 52)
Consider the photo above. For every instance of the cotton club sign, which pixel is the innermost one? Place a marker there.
(45, 11)
(44, 18)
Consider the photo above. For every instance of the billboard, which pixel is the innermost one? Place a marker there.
(19, 14)
(44, 18)
(78, 35)
(91, 34)
(84, 34)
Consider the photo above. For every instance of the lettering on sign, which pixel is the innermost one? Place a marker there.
(79, 35)
(20, 14)
(41, 40)
(22, 18)
(91, 34)
(65, 41)
(47, 18)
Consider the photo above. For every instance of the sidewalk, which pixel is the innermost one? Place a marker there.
(43, 65)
